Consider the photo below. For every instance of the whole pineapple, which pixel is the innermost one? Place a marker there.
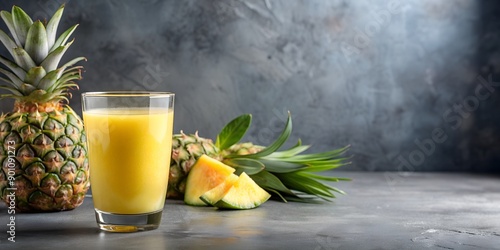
(43, 154)
(287, 174)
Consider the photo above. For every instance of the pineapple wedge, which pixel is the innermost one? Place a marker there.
(206, 174)
(215, 194)
(244, 194)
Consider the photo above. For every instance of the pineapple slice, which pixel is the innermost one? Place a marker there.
(244, 194)
(206, 174)
(215, 194)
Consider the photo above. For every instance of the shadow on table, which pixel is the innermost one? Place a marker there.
(54, 230)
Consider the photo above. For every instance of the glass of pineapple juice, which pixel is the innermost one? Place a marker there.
(129, 138)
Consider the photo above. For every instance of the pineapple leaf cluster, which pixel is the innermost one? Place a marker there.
(289, 174)
(36, 51)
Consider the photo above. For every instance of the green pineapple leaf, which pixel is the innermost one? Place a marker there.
(282, 166)
(319, 156)
(23, 59)
(295, 150)
(233, 131)
(22, 23)
(36, 42)
(249, 166)
(66, 79)
(48, 80)
(27, 88)
(14, 91)
(278, 143)
(7, 18)
(7, 42)
(14, 80)
(52, 26)
(52, 60)
(34, 75)
(305, 184)
(63, 38)
(271, 183)
(20, 73)
(71, 63)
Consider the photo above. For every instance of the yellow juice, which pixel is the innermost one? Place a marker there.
(129, 158)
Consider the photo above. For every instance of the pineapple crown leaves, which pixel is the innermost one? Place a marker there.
(33, 74)
(280, 172)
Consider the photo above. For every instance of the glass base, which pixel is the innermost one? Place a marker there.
(127, 223)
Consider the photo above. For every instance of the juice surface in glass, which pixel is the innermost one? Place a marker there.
(124, 177)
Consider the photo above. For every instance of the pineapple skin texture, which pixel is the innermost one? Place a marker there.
(51, 170)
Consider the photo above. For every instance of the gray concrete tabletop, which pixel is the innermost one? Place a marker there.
(380, 211)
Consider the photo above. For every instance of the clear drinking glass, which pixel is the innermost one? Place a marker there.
(129, 137)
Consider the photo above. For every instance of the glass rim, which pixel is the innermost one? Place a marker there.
(127, 93)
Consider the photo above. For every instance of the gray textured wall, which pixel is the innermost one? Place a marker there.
(383, 76)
